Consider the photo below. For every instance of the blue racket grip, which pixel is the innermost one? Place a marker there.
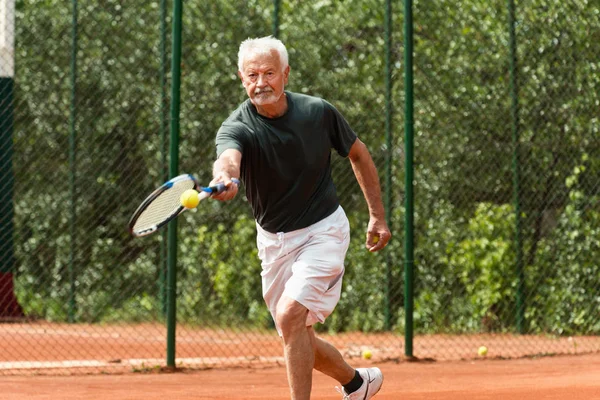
(219, 187)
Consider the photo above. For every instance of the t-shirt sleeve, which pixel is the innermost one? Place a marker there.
(230, 136)
(341, 135)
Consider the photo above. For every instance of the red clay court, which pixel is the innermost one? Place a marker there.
(547, 378)
(78, 361)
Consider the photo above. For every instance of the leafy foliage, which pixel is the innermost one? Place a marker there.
(76, 260)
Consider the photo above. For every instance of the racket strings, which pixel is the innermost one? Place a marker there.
(166, 204)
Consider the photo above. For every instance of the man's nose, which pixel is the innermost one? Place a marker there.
(261, 81)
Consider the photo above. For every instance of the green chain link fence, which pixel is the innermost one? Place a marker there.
(506, 179)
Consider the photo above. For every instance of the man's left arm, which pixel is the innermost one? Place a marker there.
(378, 233)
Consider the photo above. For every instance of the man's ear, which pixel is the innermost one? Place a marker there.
(286, 74)
(241, 78)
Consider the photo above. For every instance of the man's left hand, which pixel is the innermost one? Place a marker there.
(378, 235)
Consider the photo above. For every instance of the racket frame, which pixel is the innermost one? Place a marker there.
(203, 193)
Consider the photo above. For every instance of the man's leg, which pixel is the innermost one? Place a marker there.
(329, 360)
(298, 347)
(305, 351)
(363, 383)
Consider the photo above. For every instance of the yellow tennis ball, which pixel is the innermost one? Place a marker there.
(189, 198)
(375, 239)
(482, 351)
(367, 354)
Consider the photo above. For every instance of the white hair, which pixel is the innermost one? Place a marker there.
(263, 45)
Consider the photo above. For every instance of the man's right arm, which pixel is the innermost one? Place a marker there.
(227, 166)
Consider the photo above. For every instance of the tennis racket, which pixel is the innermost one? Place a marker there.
(164, 204)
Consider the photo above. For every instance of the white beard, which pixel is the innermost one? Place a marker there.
(265, 98)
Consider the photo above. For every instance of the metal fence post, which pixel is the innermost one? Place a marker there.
(276, 8)
(388, 156)
(514, 114)
(173, 171)
(409, 217)
(73, 167)
(162, 269)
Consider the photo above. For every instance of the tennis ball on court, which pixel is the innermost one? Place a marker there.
(367, 354)
(189, 198)
(482, 351)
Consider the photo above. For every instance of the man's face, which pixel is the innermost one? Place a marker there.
(263, 77)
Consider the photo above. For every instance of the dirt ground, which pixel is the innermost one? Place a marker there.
(545, 378)
(49, 347)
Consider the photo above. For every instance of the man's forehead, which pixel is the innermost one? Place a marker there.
(262, 60)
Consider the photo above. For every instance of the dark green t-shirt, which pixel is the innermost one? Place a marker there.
(286, 161)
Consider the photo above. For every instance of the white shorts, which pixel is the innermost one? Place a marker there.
(306, 265)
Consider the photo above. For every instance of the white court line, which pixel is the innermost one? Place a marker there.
(136, 362)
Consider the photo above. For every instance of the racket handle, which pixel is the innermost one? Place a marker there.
(218, 188)
(203, 195)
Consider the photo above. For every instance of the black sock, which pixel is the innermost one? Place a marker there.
(354, 384)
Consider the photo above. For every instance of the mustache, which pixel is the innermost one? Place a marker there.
(259, 91)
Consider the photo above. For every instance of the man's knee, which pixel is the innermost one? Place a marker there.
(291, 316)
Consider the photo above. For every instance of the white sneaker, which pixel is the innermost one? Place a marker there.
(372, 381)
